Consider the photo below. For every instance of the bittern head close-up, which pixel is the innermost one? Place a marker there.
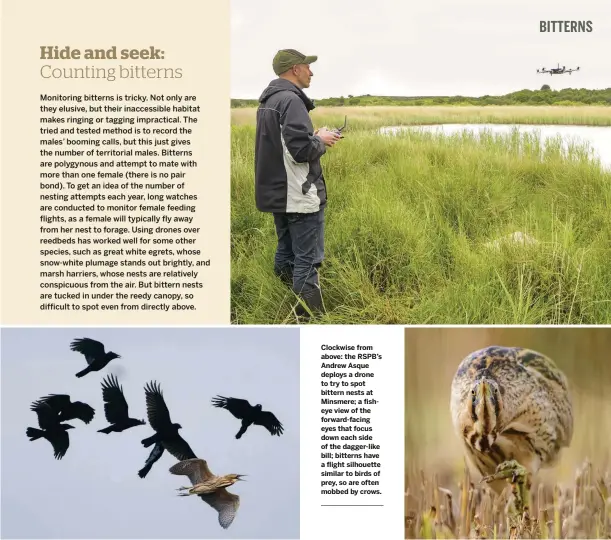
(235, 477)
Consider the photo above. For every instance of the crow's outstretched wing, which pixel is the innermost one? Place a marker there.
(240, 408)
(60, 441)
(89, 348)
(269, 421)
(156, 409)
(47, 417)
(82, 411)
(58, 402)
(68, 410)
(115, 405)
(179, 448)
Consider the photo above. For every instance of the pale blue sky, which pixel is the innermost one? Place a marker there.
(94, 491)
(432, 47)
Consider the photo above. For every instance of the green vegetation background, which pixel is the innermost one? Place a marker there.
(544, 96)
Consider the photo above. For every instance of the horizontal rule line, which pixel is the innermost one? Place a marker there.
(351, 505)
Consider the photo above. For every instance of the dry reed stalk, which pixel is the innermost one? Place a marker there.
(582, 510)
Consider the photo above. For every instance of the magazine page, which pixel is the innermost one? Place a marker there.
(334, 270)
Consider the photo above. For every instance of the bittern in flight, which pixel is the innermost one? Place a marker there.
(210, 488)
(512, 409)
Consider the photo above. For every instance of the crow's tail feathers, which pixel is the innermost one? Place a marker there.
(83, 373)
(34, 433)
(149, 440)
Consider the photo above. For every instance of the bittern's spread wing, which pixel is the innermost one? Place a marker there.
(269, 421)
(156, 409)
(196, 469)
(89, 348)
(47, 417)
(225, 503)
(178, 447)
(240, 408)
(60, 441)
(115, 406)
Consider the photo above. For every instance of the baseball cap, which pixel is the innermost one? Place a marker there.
(287, 58)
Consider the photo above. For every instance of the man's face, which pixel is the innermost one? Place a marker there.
(303, 74)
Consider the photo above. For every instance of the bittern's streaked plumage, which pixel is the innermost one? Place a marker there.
(512, 409)
(249, 414)
(50, 429)
(95, 355)
(66, 409)
(210, 488)
(116, 409)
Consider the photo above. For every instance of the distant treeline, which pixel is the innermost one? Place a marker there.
(545, 96)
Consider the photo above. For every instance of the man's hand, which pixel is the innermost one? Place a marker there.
(328, 137)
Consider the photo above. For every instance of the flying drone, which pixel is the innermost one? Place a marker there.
(558, 70)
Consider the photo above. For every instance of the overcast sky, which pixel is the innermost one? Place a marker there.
(95, 491)
(436, 47)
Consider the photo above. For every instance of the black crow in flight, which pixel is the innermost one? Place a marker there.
(115, 407)
(166, 432)
(243, 410)
(51, 429)
(94, 353)
(65, 409)
(154, 456)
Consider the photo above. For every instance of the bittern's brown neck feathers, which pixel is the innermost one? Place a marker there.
(485, 407)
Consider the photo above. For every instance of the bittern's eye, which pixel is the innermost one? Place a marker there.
(473, 392)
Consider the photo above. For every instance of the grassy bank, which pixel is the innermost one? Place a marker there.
(375, 117)
(408, 223)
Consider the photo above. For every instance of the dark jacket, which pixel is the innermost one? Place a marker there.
(288, 174)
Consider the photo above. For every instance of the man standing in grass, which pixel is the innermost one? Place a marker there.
(289, 181)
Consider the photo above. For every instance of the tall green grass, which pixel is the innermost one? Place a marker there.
(408, 220)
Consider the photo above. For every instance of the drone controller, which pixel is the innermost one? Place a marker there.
(338, 131)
